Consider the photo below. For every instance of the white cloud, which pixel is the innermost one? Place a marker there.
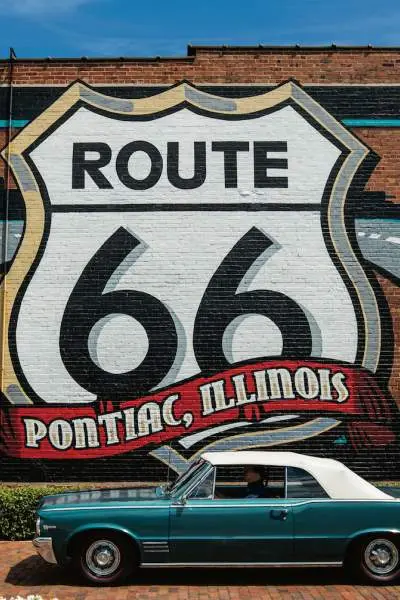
(33, 8)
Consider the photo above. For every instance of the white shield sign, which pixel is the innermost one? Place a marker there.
(175, 237)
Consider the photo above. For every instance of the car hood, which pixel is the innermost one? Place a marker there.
(103, 496)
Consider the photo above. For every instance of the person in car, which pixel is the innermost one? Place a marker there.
(257, 481)
(256, 477)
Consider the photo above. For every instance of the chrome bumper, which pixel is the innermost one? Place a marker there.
(44, 547)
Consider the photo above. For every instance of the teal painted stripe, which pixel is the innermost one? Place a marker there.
(371, 122)
(14, 122)
(349, 122)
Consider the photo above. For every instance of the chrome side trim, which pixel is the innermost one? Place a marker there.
(275, 502)
(218, 503)
(155, 546)
(113, 507)
(44, 547)
(224, 565)
(154, 543)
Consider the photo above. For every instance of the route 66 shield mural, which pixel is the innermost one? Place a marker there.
(188, 279)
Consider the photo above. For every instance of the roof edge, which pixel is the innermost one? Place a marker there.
(97, 59)
(194, 49)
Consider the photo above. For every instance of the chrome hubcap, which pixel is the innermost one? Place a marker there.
(381, 556)
(103, 557)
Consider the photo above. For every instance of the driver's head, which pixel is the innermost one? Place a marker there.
(253, 473)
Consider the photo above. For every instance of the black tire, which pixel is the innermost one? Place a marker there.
(105, 558)
(376, 558)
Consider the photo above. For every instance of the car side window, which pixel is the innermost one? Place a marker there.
(249, 481)
(300, 484)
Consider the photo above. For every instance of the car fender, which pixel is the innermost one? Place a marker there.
(89, 527)
(371, 531)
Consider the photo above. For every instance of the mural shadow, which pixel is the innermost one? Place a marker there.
(32, 571)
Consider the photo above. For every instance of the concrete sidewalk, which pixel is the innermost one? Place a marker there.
(22, 572)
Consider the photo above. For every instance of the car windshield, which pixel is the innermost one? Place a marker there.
(186, 476)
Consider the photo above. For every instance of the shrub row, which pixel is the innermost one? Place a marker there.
(18, 505)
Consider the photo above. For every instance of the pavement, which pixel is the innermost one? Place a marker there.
(23, 573)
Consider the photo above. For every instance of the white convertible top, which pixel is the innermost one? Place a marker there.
(337, 480)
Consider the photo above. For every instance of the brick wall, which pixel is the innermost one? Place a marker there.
(256, 283)
(223, 65)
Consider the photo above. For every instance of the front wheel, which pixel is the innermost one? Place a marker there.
(378, 558)
(105, 558)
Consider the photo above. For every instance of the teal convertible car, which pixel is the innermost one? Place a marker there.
(266, 509)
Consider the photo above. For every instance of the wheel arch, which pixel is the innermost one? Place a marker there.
(358, 536)
(79, 534)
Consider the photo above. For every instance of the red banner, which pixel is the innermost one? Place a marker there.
(249, 391)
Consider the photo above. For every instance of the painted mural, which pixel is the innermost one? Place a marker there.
(188, 278)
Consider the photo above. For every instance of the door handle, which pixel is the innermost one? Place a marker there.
(279, 514)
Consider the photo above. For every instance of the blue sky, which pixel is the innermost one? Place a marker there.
(165, 27)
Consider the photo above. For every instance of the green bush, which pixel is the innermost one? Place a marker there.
(18, 505)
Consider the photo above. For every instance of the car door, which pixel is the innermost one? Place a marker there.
(244, 530)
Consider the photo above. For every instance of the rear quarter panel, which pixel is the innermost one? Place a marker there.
(324, 528)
